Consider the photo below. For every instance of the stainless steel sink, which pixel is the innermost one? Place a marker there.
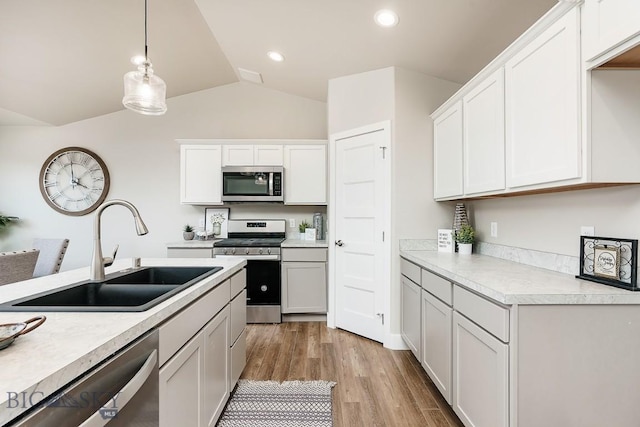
(137, 290)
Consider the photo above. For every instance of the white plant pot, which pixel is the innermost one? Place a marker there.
(465, 248)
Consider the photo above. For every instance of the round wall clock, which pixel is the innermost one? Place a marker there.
(74, 181)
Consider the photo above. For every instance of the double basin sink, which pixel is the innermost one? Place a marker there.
(136, 290)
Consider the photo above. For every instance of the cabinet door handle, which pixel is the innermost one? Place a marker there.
(339, 243)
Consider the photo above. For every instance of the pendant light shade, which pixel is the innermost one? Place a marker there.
(144, 92)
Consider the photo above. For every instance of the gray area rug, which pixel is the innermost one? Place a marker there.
(271, 404)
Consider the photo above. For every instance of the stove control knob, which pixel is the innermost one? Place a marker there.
(260, 251)
(233, 251)
(246, 251)
(269, 251)
(224, 251)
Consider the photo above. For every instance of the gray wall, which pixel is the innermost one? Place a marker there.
(143, 160)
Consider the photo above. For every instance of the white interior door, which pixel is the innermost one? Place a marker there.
(361, 209)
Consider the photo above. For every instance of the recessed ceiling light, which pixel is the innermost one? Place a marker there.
(386, 18)
(275, 56)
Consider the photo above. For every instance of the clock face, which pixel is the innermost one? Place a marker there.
(74, 181)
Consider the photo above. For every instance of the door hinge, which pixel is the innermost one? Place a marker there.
(384, 151)
(381, 316)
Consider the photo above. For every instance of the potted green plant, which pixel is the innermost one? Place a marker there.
(187, 232)
(302, 228)
(465, 237)
(6, 220)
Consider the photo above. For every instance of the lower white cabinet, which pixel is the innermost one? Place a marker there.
(481, 375)
(181, 386)
(410, 325)
(194, 383)
(202, 354)
(436, 342)
(304, 280)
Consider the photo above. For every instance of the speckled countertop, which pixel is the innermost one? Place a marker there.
(297, 243)
(509, 282)
(69, 344)
(193, 244)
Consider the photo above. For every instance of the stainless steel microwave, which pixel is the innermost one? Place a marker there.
(252, 184)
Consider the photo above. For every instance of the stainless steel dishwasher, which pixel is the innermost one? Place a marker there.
(123, 391)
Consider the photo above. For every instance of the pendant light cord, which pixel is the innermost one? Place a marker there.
(146, 57)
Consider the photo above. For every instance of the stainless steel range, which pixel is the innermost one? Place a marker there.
(259, 242)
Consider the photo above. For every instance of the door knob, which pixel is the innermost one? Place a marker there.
(339, 243)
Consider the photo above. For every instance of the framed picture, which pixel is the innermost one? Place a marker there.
(606, 262)
(445, 240)
(217, 215)
(610, 261)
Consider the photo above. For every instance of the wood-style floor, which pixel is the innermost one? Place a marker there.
(375, 386)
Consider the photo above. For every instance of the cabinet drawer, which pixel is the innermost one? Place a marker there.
(238, 282)
(410, 270)
(175, 332)
(441, 288)
(488, 315)
(304, 254)
(238, 315)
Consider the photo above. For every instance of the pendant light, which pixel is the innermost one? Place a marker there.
(144, 92)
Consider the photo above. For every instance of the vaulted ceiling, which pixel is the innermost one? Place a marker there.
(63, 60)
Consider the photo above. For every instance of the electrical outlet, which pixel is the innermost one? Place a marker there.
(201, 223)
(292, 223)
(587, 230)
(494, 229)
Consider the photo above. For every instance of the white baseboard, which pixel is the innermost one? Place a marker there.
(394, 342)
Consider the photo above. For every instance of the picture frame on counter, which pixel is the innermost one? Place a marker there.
(210, 213)
(609, 261)
(445, 241)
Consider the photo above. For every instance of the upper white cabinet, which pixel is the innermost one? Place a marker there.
(542, 107)
(555, 123)
(200, 177)
(305, 174)
(304, 161)
(608, 23)
(483, 135)
(249, 155)
(447, 153)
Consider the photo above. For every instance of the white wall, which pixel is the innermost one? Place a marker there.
(143, 160)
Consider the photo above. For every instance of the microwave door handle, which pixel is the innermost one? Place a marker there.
(127, 392)
(271, 174)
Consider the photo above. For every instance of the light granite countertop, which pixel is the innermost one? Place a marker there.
(297, 243)
(69, 344)
(192, 244)
(509, 282)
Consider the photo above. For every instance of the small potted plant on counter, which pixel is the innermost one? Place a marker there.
(302, 228)
(187, 232)
(465, 238)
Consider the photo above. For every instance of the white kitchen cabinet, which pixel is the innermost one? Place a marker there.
(199, 362)
(304, 280)
(410, 310)
(200, 177)
(305, 174)
(216, 367)
(436, 342)
(447, 153)
(193, 383)
(481, 375)
(483, 136)
(250, 155)
(542, 87)
(180, 387)
(608, 23)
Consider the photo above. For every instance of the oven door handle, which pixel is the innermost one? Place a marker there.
(252, 257)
